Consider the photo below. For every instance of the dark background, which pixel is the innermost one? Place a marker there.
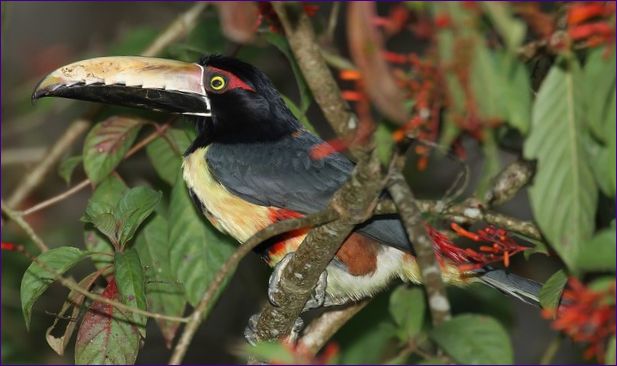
(38, 37)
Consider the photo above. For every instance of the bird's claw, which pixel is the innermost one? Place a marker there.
(318, 295)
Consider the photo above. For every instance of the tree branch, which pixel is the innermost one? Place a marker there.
(206, 302)
(320, 330)
(177, 29)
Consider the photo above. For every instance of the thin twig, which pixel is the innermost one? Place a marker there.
(207, 300)
(70, 283)
(16, 217)
(49, 202)
(181, 26)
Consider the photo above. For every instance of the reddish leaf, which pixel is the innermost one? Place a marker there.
(366, 46)
(73, 301)
(239, 20)
(106, 335)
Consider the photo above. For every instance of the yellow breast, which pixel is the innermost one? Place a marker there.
(229, 213)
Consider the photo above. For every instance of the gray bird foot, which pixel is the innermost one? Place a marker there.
(318, 295)
(250, 332)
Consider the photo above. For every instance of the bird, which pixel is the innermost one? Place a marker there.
(251, 166)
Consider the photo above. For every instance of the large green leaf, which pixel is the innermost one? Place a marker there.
(563, 195)
(134, 207)
(43, 272)
(599, 87)
(550, 294)
(197, 249)
(488, 82)
(407, 307)
(163, 293)
(369, 347)
(107, 335)
(74, 303)
(474, 339)
(609, 358)
(604, 154)
(131, 284)
(107, 143)
(518, 93)
(165, 153)
(598, 254)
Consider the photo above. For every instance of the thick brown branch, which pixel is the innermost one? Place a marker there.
(355, 202)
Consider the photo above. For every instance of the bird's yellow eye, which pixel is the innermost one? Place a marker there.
(217, 82)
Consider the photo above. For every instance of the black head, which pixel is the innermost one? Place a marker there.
(245, 105)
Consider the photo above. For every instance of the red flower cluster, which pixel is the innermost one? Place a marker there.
(267, 13)
(498, 247)
(586, 316)
(592, 23)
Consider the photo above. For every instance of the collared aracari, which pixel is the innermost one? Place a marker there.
(251, 166)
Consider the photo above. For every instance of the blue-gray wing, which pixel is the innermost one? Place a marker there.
(283, 174)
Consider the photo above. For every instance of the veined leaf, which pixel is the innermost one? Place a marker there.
(598, 254)
(134, 207)
(163, 293)
(604, 155)
(74, 301)
(564, 195)
(197, 249)
(487, 82)
(599, 86)
(165, 153)
(518, 93)
(131, 284)
(474, 339)
(106, 335)
(67, 166)
(38, 277)
(550, 294)
(407, 307)
(107, 143)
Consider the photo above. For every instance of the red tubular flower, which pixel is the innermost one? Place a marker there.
(9, 247)
(586, 316)
(498, 247)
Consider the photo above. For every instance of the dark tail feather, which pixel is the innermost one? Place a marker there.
(522, 288)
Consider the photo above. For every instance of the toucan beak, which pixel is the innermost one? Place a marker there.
(144, 82)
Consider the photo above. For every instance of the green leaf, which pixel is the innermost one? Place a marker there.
(43, 272)
(408, 308)
(163, 293)
(280, 42)
(165, 153)
(609, 358)
(106, 335)
(74, 301)
(518, 94)
(511, 29)
(599, 90)
(131, 285)
(299, 114)
(384, 142)
(603, 162)
(598, 254)
(564, 195)
(474, 339)
(271, 352)
(67, 166)
(101, 248)
(550, 294)
(134, 207)
(105, 197)
(106, 144)
(374, 340)
(197, 249)
(487, 82)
